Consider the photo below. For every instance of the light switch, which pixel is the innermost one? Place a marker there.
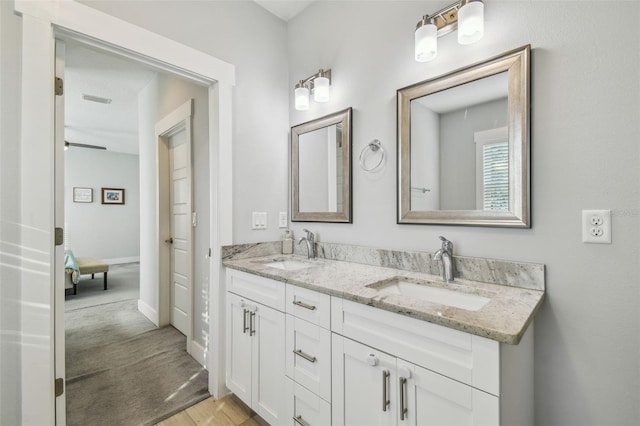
(259, 220)
(282, 220)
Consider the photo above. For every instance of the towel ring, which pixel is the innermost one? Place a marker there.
(374, 146)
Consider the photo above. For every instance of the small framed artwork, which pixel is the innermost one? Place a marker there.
(112, 196)
(82, 195)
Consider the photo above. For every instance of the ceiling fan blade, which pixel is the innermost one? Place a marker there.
(83, 145)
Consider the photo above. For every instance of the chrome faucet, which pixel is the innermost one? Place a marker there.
(445, 254)
(310, 239)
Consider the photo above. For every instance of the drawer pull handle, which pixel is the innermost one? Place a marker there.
(298, 419)
(403, 398)
(385, 389)
(305, 356)
(304, 305)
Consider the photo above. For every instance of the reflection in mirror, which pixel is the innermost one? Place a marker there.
(321, 169)
(463, 142)
(319, 177)
(453, 167)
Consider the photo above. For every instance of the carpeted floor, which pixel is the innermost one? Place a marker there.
(122, 370)
(123, 283)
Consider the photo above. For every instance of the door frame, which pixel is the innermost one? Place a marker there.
(42, 23)
(178, 119)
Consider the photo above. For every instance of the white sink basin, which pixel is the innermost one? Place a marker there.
(288, 264)
(430, 293)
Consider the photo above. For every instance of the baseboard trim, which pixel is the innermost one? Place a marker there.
(119, 260)
(199, 353)
(148, 312)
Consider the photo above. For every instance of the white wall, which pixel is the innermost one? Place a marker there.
(425, 158)
(585, 113)
(254, 41)
(108, 232)
(10, 291)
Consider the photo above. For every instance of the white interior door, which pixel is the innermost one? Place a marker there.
(180, 205)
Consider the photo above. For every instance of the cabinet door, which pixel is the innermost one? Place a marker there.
(238, 363)
(364, 385)
(433, 399)
(268, 364)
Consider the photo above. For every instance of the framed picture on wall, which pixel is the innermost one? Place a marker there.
(82, 195)
(112, 196)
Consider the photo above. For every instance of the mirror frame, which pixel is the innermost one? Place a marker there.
(517, 63)
(343, 117)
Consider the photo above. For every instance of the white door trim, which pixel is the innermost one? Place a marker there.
(40, 22)
(177, 120)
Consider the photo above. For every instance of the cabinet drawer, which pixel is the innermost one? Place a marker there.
(309, 305)
(259, 289)
(304, 407)
(461, 356)
(308, 356)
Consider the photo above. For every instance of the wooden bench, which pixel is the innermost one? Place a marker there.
(91, 265)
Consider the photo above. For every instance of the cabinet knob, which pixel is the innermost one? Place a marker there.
(372, 360)
(404, 371)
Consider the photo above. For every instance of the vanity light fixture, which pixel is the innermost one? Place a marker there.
(318, 84)
(467, 16)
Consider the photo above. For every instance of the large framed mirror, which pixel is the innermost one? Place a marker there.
(463, 145)
(321, 169)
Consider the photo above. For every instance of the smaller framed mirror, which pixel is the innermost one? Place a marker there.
(321, 169)
(463, 145)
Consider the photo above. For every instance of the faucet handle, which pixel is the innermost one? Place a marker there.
(446, 244)
(309, 233)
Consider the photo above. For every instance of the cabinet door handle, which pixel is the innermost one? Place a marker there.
(403, 398)
(304, 305)
(385, 389)
(298, 419)
(252, 325)
(308, 357)
(245, 326)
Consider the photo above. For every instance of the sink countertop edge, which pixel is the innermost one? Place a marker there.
(499, 320)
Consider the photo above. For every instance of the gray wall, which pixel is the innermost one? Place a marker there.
(247, 36)
(101, 230)
(458, 151)
(585, 114)
(159, 98)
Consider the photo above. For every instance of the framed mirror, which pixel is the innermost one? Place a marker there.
(463, 145)
(321, 169)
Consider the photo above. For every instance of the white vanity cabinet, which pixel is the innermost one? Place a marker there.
(391, 369)
(308, 353)
(255, 366)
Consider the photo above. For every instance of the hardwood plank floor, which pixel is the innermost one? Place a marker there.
(228, 411)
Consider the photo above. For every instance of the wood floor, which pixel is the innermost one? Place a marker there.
(228, 411)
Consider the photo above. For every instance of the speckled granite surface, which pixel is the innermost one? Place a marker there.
(504, 318)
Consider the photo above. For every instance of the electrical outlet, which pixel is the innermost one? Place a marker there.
(596, 226)
(259, 220)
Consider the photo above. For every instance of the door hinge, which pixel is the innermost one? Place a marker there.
(59, 387)
(59, 236)
(59, 86)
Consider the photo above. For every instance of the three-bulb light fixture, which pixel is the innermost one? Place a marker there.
(318, 84)
(465, 15)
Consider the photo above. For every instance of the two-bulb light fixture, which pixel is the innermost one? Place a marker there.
(465, 15)
(318, 84)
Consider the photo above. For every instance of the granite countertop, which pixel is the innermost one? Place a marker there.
(504, 318)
